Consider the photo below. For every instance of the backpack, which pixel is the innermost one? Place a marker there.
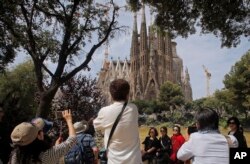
(80, 154)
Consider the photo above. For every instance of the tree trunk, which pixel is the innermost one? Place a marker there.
(45, 102)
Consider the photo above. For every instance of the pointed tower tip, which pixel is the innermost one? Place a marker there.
(143, 13)
(135, 22)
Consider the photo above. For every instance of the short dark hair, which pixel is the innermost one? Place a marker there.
(119, 89)
(207, 119)
(164, 128)
(236, 120)
(155, 130)
(191, 129)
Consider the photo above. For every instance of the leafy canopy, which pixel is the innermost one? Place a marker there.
(171, 95)
(237, 81)
(226, 19)
(55, 30)
(17, 92)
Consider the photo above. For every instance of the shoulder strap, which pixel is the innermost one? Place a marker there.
(115, 123)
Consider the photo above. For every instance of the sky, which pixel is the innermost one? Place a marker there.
(196, 50)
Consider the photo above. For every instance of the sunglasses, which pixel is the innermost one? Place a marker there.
(162, 130)
(231, 123)
(175, 129)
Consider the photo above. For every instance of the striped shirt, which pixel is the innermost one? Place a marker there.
(52, 155)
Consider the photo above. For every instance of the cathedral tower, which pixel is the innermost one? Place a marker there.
(143, 51)
(134, 59)
(153, 61)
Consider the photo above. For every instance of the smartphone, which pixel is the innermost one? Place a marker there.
(58, 114)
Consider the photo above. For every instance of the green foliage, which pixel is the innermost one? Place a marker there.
(198, 103)
(226, 102)
(134, 5)
(228, 20)
(171, 95)
(7, 53)
(17, 92)
(149, 107)
(237, 81)
(148, 111)
(141, 105)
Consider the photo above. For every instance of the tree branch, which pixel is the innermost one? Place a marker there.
(92, 50)
(43, 57)
(47, 70)
(29, 32)
(38, 71)
(56, 15)
(64, 10)
(63, 54)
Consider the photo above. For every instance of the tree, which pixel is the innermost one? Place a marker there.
(59, 31)
(141, 105)
(17, 92)
(81, 95)
(237, 81)
(226, 101)
(228, 20)
(7, 53)
(171, 96)
(221, 101)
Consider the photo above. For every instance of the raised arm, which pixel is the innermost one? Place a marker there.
(68, 118)
(53, 154)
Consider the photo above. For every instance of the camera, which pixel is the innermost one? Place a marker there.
(58, 114)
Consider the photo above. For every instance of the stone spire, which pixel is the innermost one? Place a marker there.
(168, 45)
(106, 53)
(188, 94)
(151, 58)
(144, 58)
(134, 50)
(187, 77)
(143, 32)
(169, 57)
(174, 52)
(160, 41)
(105, 64)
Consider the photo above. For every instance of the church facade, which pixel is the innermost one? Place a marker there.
(153, 61)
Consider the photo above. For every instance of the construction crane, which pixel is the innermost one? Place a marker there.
(208, 77)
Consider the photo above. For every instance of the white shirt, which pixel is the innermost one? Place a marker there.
(205, 148)
(124, 147)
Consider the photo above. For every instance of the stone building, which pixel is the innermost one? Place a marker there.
(153, 61)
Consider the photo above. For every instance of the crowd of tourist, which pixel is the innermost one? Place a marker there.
(29, 141)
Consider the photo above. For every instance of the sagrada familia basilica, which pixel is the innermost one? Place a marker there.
(153, 61)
